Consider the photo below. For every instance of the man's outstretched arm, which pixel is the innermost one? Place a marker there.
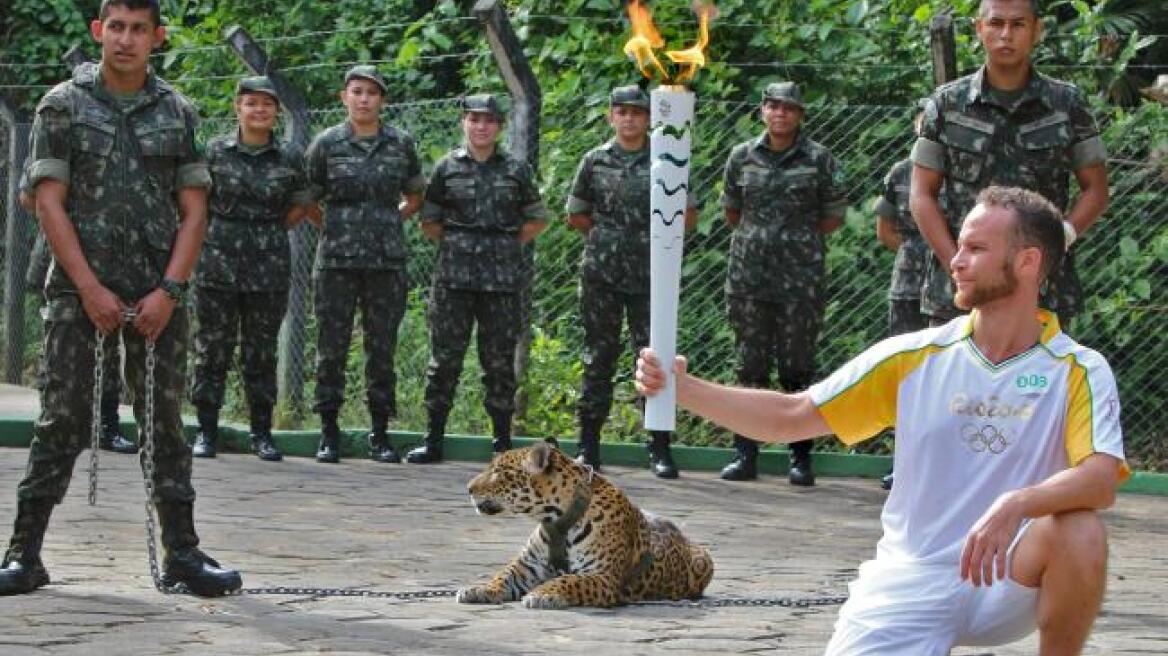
(763, 415)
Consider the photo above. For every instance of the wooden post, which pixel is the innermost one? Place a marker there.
(303, 237)
(523, 139)
(17, 232)
(943, 45)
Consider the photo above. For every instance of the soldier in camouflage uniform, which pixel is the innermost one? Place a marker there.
(257, 193)
(782, 194)
(41, 258)
(367, 175)
(481, 206)
(609, 205)
(121, 196)
(896, 229)
(1006, 125)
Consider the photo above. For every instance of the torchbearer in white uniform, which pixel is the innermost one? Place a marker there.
(1008, 443)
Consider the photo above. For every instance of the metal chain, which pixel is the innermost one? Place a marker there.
(350, 592)
(148, 469)
(439, 593)
(95, 424)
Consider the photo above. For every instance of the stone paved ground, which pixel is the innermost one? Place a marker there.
(401, 527)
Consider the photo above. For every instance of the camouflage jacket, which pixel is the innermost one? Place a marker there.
(124, 164)
(975, 142)
(908, 272)
(777, 253)
(481, 207)
(612, 187)
(252, 190)
(361, 183)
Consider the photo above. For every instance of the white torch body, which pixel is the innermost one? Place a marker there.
(671, 120)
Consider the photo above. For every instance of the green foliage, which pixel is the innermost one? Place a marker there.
(844, 53)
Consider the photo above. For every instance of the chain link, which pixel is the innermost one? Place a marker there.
(442, 593)
(350, 592)
(95, 424)
(148, 469)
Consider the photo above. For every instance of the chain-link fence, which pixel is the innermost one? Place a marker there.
(1122, 261)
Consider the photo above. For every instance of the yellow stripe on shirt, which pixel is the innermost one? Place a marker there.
(869, 405)
(1079, 434)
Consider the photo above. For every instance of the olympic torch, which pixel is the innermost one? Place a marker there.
(670, 145)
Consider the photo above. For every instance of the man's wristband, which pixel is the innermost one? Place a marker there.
(1069, 234)
(175, 289)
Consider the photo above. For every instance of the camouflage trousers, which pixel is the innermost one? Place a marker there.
(381, 295)
(771, 336)
(111, 377)
(224, 317)
(63, 429)
(451, 317)
(602, 310)
(904, 316)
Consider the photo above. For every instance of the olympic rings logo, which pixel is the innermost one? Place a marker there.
(985, 438)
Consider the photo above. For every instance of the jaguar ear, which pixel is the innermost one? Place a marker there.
(552, 441)
(539, 458)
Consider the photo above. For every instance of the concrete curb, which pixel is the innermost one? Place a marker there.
(17, 432)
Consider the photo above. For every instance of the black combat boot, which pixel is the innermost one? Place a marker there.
(184, 563)
(379, 447)
(111, 438)
(660, 455)
(22, 570)
(588, 449)
(431, 451)
(500, 431)
(330, 438)
(801, 473)
(886, 482)
(208, 435)
(262, 443)
(744, 467)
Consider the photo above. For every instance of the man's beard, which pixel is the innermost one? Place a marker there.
(980, 294)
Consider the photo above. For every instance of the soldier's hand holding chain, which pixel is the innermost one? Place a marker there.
(153, 313)
(103, 308)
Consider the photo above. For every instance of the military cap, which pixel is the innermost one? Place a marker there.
(631, 95)
(367, 72)
(257, 84)
(485, 103)
(787, 92)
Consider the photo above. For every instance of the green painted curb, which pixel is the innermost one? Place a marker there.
(17, 432)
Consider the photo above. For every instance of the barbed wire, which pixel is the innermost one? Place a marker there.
(371, 28)
(716, 23)
(342, 64)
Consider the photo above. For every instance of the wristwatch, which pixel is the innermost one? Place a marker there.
(175, 289)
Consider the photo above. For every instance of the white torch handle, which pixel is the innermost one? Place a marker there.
(671, 116)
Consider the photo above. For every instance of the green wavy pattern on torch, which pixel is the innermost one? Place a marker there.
(676, 161)
(676, 132)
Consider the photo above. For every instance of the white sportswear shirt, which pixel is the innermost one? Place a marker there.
(968, 430)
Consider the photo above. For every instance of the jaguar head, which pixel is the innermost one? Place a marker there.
(538, 480)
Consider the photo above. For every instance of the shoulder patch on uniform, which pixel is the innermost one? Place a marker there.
(59, 98)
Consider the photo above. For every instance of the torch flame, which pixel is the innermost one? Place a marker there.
(646, 39)
(694, 57)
